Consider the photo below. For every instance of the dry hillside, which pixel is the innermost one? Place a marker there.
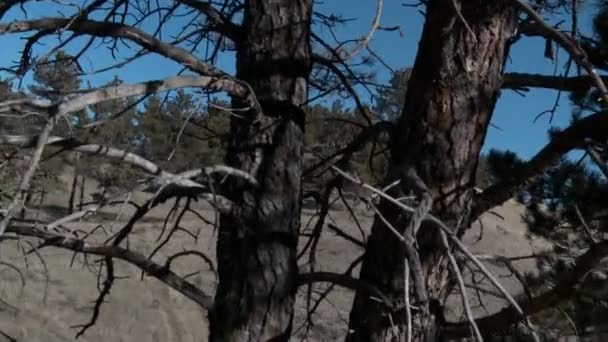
(57, 294)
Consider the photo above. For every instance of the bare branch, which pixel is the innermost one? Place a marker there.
(363, 43)
(150, 267)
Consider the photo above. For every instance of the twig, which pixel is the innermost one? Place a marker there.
(585, 226)
(406, 297)
(461, 285)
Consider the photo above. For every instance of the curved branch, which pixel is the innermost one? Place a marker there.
(593, 126)
(159, 272)
(365, 40)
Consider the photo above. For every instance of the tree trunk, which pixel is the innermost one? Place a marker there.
(73, 188)
(257, 242)
(450, 99)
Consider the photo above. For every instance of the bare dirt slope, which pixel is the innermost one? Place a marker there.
(58, 293)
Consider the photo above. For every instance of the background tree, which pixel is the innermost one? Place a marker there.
(389, 100)
(54, 77)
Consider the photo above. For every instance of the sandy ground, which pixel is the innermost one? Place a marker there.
(58, 294)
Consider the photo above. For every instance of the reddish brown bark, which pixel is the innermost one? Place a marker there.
(451, 95)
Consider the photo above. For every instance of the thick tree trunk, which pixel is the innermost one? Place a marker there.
(256, 249)
(451, 96)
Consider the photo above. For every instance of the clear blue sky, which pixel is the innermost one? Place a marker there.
(514, 114)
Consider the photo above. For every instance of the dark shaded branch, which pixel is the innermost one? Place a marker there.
(574, 83)
(150, 267)
(594, 127)
(105, 292)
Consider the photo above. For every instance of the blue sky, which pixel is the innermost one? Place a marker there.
(514, 114)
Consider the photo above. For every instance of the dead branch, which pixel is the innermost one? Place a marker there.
(103, 293)
(201, 255)
(150, 267)
(364, 42)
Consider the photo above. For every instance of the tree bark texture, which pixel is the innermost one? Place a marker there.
(451, 95)
(257, 242)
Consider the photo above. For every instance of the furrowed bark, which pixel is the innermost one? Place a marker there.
(256, 248)
(451, 96)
